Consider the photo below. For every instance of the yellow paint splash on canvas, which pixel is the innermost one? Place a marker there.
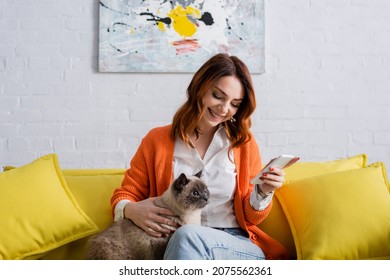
(180, 21)
(161, 26)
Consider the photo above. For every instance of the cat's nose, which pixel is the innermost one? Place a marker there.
(205, 197)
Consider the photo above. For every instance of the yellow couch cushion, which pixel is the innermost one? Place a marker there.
(303, 169)
(92, 189)
(342, 215)
(38, 212)
(276, 224)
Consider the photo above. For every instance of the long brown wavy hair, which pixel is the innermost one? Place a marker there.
(187, 117)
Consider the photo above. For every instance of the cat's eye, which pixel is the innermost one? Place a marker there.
(195, 193)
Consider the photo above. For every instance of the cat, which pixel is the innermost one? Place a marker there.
(185, 197)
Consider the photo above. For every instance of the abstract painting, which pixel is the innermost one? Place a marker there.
(178, 36)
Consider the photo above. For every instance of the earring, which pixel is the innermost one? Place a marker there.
(232, 119)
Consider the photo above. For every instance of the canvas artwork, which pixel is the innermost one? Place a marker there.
(178, 36)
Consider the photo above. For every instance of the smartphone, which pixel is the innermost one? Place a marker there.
(282, 161)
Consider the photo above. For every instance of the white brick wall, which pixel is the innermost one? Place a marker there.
(325, 93)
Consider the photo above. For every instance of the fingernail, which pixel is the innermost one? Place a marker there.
(271, 169)
(264, 175)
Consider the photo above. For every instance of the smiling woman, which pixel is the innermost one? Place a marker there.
(221, 102)
(203, 137)
(222, 77)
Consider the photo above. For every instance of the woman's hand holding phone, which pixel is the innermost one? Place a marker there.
(272, 175)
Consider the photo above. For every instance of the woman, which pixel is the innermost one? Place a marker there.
(209, 132)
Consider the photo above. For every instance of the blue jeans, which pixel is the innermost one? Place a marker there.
(191, 242)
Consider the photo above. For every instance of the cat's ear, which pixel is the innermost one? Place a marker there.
(181, 181)
(198, 174)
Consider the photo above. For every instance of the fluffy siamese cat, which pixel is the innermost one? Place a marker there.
(123, 240)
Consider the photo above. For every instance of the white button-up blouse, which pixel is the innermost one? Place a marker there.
(219, 174)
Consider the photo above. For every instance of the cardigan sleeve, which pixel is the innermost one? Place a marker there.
(135, 186)
(251, 161)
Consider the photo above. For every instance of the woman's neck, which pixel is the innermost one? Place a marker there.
(203, 140)
(207, 130)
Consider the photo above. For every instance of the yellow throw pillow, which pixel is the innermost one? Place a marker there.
(303, 169)
(92, 188)
(38, 212)
(342, 215)
(276, 224)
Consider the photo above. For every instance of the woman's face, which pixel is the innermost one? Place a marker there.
(221, 102)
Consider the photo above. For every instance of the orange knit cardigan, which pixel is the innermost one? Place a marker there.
(151, 171)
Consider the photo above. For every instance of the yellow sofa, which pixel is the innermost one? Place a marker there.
(337, 209)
